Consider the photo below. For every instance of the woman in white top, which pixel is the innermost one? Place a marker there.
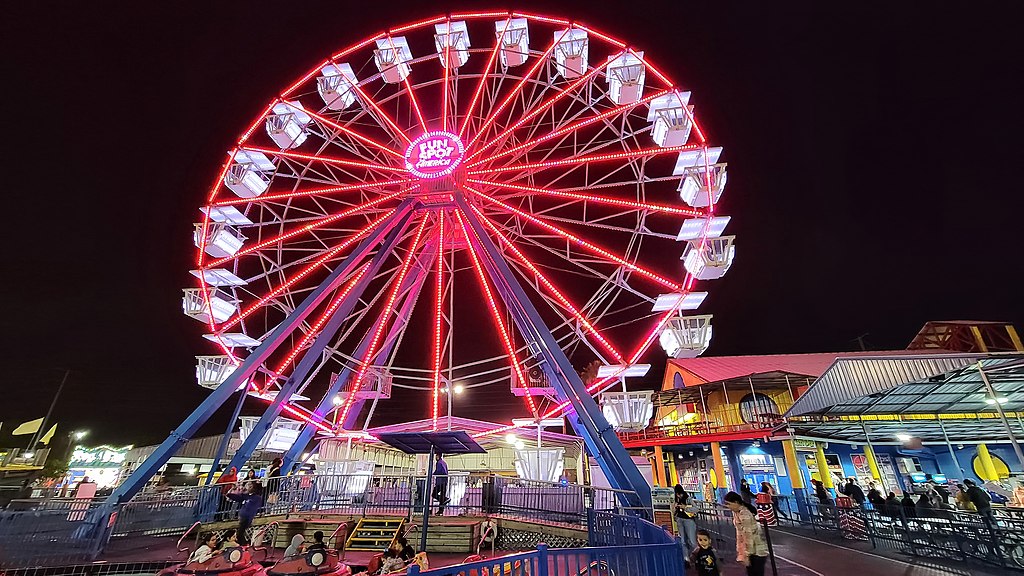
(207, 550)
(751, 547)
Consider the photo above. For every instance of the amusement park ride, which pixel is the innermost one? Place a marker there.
(529, 162)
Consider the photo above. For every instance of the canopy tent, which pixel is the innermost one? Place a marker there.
(928, 395)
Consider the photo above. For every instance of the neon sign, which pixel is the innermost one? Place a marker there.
(434, 155)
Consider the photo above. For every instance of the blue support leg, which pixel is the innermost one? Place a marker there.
(414, 283)
(312, 354)
(590, 423)
(216, 399)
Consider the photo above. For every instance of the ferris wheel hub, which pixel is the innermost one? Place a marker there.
(434, 155)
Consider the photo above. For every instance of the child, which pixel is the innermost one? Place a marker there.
(703, 557)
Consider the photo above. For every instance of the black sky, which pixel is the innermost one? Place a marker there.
(873, 148)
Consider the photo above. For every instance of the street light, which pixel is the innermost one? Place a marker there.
(450, 390)
(79, 434)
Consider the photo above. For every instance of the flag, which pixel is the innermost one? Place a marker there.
(30, 427)
(46, 437)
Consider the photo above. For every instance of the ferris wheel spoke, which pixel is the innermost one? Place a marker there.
(325, 159)
(646, 153)
(579, 241)
(355, 135)
(318, 192)
(546, 105)
(493, 116)
(382, 117)
(438, 320)
(498, 322)
(415, 105)
(570, 128)
(378, 332)
(304, 229)
(306, 271)
(483, 80)
(315, 328)
(550, 287)
(631, 205)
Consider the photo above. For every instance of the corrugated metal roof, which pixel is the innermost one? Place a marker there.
(851, 378)
(719, 368)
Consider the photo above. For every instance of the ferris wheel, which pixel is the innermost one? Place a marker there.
(477, 200)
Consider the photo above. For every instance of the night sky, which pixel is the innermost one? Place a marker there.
(873, 155)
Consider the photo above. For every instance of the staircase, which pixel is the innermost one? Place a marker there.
(374, 533)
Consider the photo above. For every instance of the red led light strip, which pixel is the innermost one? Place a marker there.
(515, 90)
(591, 198)
(483, 79)
(571, 127)
(551, 288)
(438, 317)
(505, 337)
(306, 271)
(356, 135)
(593, 158)
(388, 307)
(316, 192)
(315, 328)
(444, 86)
(579, 241)
(326, 159)
(303, 229)
(383, 115)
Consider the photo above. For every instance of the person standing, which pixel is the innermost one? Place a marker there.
(705, 562)
(767, 488)
(686, 517)
(441, 484)
(252, 502)
(746, 492)
(981, 500)
(854, 492)
(751, 547)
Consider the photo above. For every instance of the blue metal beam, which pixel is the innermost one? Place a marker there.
(590, 423)
(213, 402)
(312, 354)
(414, 282)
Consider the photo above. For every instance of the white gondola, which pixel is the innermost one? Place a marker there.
(249, 175)
(221, 305)
(628, 411)
(679, 301)
(335, 85)
(212, 371)
(514, 36)
(623, 370)
(626, 74)
(286, 126)
(711, 259)
(222, 240)
(687, 336)
(537, 383)
(540, 464)
(226, 214)
(233, 339)
(670, 115)
(694, 228)
(282, 434)
(694, 190)
(571, 50)
(219, 277)
(451, 39)
(376, 384)
(392, 58)
(696, 159)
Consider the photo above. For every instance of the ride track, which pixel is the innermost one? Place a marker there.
(534, 170)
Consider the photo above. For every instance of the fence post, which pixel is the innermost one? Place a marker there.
(771, 549)
(542, 559)
(590, 526)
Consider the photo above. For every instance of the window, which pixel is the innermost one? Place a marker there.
(754, 405)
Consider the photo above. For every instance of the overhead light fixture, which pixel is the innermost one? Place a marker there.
(337, 400)
(511, 438)
(458, 388)
(1001, 400)
(903, 437)
(520, 445)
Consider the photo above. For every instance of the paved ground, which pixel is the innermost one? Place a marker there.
(802, 555)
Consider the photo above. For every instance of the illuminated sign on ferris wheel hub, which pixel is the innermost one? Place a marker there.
(434, 155)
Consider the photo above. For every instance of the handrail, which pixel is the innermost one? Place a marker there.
(187, 532)
(333, 538)
(491, 529)
(261, 533)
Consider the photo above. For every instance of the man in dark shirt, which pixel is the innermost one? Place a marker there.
(854, 492)
(981, 500)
